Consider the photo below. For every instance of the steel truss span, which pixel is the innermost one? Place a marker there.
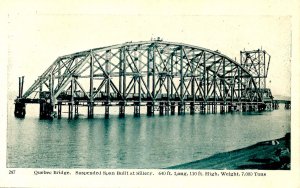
(151, 73)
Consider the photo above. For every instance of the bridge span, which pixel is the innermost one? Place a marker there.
(163, 76)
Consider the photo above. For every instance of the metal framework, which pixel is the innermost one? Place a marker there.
(149, 73)
(257, 62)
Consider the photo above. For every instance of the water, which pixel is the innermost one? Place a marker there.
(144, 142)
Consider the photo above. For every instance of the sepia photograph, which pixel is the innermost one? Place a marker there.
(129, 94)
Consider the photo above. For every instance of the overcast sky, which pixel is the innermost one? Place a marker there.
(35, 40)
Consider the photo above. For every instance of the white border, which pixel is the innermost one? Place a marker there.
(26, 178)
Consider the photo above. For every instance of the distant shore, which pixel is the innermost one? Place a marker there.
(267, 155)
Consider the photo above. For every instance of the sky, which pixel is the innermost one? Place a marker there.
(37, 38)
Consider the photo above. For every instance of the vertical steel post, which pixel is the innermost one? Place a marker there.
(124, 75)
(204, 78)
(20, 87)
(153, 78)
(148, 70)
(120, 69)
(59, 73)
(167, 103)
(223, 80)
(42, 100)
(239, 84)
(107, 86)
(172, 70)
(122, 86)
(205, 81)
(154, 72)
(265, 76)
(91, 101)
(259, 71)
(181, 74)
(71, 103)
(232, 83)
(215, 82)
(181, 103)
(140, 89)
(51, 87)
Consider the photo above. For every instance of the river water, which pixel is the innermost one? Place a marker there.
(143, 142)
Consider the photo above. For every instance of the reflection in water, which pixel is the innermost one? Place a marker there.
(144, 142)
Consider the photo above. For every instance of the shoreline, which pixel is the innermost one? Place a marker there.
(266, 155)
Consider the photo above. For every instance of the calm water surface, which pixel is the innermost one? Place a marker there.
(144, 142)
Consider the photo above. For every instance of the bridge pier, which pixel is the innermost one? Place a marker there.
(181, 108)
(287, 105)
(202, 108)
(244, 108)
(214, 108)
(137, 109)
(268, 106)
(46, 110)
(76, 115)
(208, 108)
(122, 109)
(276, 106)
(106, 110)
(247, 108)
(222, 108)
(150, 108)
(230, 107)
(254, 108)
(59, 104)
(250, 108)
(161, 108)
(167, 108)
(20, 109)
(90, 110)
(70, 112)
(192, 108)
(259, 107)
(172, 108)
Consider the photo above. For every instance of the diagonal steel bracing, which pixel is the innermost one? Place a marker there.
(152, 71)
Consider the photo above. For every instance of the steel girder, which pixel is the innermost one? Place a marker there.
(146, 71)
(257, 62)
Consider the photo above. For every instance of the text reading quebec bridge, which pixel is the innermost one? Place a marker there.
(163, 76)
